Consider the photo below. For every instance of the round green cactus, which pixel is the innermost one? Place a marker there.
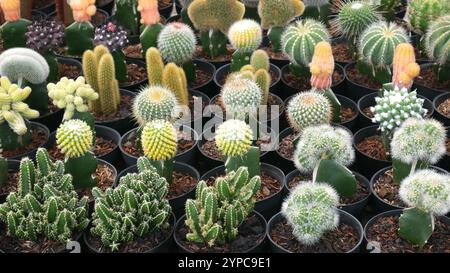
(308, 109)
(278, 13)
(234, 138)
(437, 40)
(74, 138)
(241, 96)
(311, 210)
(421, 13)
(245, 35)
(177, 42)
(159, 140)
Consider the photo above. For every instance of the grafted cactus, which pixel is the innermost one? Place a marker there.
(127, 15)
(437, 44)
(245, 36)
(150, 19)
(241, 97)
(14, 29)
(405, 68)
(80, 34)
(308, 109)
(421, 13)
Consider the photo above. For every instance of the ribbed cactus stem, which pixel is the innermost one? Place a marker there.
(154, 103)
(437, 44)
(405, 68)
(174, 79)
(155, 66)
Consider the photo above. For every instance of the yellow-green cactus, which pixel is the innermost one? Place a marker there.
(174, 79)
(159, 140)
(74, 138)
(234, 138)
(155, 66)
(278, 13)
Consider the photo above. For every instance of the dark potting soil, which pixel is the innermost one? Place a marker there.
(224, 58)
(272, 73)
(385, 232)
(164, 3)
(444, 108)
(135, 74)
(102, 147)
(303, 83)
(286, 147)
(372, 147)
(38, 138)
(429, 79)
(133, 51)
(194, 112)
(274, 55)
(201, 77)
(271, 101)
(387, 189)
(124, 110)
(104, 176)
(11, 183)
(340, 240)
(342, 53)
(38, 4)
(69, 71)
(251, 233)
(368, 112)
(182, 183)
(361, 189)
(447, 144)
(363, 80)
(347, 113)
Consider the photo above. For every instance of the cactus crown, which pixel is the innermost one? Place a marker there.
(427, 191)
(419, 140)
(311, 210)
(14, 110)
(322, 66)
(420, 13)
(299, 40)
(245, 35)
(159, 140)
(82, 10)
(278, 13)
(323, 142)
(395, 107)
(437, 40)
(72, 95)
(24, 64)
(240, 95)
(74, 138)
(234, 138)
(260, 60)
(11, 10)
(46, 203)
(115, 38)
(405, 66)
(45, 35)
(134, 209)
(149, 12)
(177, 42)
(308, 109)
(215, 14)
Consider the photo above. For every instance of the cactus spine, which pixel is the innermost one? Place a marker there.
(241, 97)
(308, 109)
(420, 13)
(14, 29)
(80, 34)
(437, 44)
(245, 36)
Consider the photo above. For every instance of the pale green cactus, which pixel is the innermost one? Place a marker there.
(159, 140)
(241, 97)
(421, 13)
(308, 109)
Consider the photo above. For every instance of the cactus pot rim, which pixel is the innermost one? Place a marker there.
(204, 64)
(13, 165)
(227, 67)
(350, 65)
(134, 85)
(32, 152)
(122, 92)
(437, 101)
(359, 132)
(338, 67)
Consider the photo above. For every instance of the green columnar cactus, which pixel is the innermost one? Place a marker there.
(308, 109)
(14, 29)
(155, 66)
(46, 203)
(150, 20)
(311, 210)
(213, 18)
(298, 43)
(133, 210)
(3, 168)
(276, 15)
(427, 193)
(74, 139)
(217, 212)
(80, 34)
(99, 71)
(245, 36)
(376, 49)
(14, 129)
(241, 97)
(127, 15)
(437, 43)
(325, 152)
(421, 13)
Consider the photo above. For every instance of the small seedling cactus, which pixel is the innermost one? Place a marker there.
(241, 97)
(14, 127)
(405, 68)
(127, 15)
(276, 15)
(245, 36)
(150, 20)
(74, 138)
(298, 43)
(14, 29)
(311, 210)
(133, 210)
(308, 109)
(213, 18)
(421, 13)
(46, 204)
(437, 43)
(80, 35)
(427, 193)
(258, 71)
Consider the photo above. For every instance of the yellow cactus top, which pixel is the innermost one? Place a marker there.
(405, 66)
(159, 140)
(83, 10)
(149, 12)
(322, 66)
(11, 9)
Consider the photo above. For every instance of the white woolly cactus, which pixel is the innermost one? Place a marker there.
(323, 142)
(177, 42)
(311, 210)
(245, 35)
(20, 64)
(241, 96)
(234, 138)
(307, 109)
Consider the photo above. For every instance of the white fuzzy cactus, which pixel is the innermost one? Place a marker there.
(245, 35)
(234, 138)
(24, 64)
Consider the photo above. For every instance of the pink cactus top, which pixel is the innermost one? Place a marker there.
(322, 66)
(11, 9)
(149, 12)
(82, 10)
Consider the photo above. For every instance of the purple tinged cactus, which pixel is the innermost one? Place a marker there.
(112, 36)
(45, 35)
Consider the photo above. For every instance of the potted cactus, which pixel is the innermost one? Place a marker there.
(14, 29)
(127, 15)
(150, 19)
(80, 34)
(45, 212)
(245, 37)
(421, 13)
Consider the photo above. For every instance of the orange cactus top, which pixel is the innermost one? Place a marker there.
(11, 9)
(405, 66)
(322, 66)
(149, 12)
(82, 10)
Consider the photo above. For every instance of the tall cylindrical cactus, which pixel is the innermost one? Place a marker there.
(421, 13)
(80, 35)
(150, 20)
(14, 29)
(437, 44)
(245, 36)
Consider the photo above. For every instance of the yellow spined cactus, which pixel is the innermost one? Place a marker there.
(155, 66)
(322, 66)
(234, 138)
(74, 138)
(159, 140)
(405, 66)
(174, 79)
(245, 35)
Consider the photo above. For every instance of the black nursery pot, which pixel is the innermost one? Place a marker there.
(32, 154)
(259, 246)
(199, 119)
(48, 9)
(208, 87)
(355, 91)
(134, 87)
(178, 6)
(165, 246)
(269, 206)
(176, 203)
(166, 11)
(445, 161)
(345, 218)
(428, 92)
(71, 62)
(336, 41)
(106, 5)
(13, 166)
(438, 115)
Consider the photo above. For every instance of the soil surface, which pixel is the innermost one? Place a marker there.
(303, 83)
(102, 147)
(361, 79)
(182, 183)
(124, 110)
(38, 138)
(135, 74)
(69, 71)
(202, 77)
(224, 58)
(387, 189)
(444, 108)
(11, 183)
(341, 53)
(373, 147)
(429, 79)
(104, 176)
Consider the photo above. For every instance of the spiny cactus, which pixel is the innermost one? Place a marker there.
(245, 36)
(14, 29)
(159, 140)
(100, 73)
(127, 15)
(376, 49)
(405, 68)
(217, 212)
(298, 43)
(176, 43)
(278, 13)
(45, 204)
(260, 60)
(307, 109)
(234, 138)
(80, 34)
(155, 66)
(133, 210)
(437, 43)
(241, 97)
(150, 19)
(311, 210)
(420, 13)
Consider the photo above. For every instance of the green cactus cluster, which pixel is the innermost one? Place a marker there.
(308, 109)
(214, 217)
(245, 36)
(437, 44)
(133, 210)
(241, 97)
(46, 204)
(421, 13)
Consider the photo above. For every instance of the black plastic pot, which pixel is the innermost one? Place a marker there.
(107, 6)
(209, 88)
(444, 163)
(72, 62)
(164, 247)
(135, 86)
(259, 247)
(188, 156)
(13, 166)
(344, 218)
(355, 91)
(52, 15)
(365, 164)
(378, 203)
(48, 8)
(166, 11)
(37, 15)
(429, 93)
(199, 119)
(32, 154)
(124, 124)
(178, 6)
(438, 115)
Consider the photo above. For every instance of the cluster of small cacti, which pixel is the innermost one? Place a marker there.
(134, 209)
(258, 71)
(234, 138)
(245, 36)
(214, 217)
(241, 97)
(421, 13)
(308, 109)
(80, 34)
(45, 204)
(150, 19)
(14, 29)
(159, 140)
(437, 42)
